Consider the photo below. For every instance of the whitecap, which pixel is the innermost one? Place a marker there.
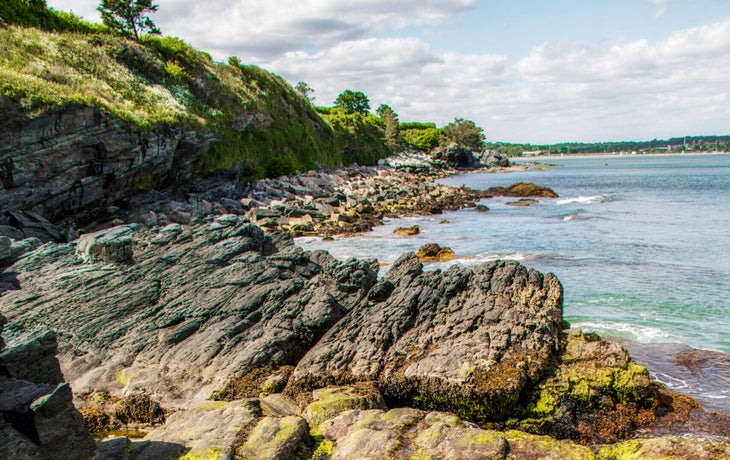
(593, 199)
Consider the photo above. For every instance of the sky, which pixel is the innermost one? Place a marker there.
(532, 71)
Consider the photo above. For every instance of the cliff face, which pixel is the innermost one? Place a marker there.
(89, 119)
(79, 159)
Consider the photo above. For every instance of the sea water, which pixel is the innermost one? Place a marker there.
(640, 243)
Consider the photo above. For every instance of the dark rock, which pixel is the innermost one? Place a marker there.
(32, 225)
(458, 157)
(31, 356)
(39, 419)
(416, 344)
(432, 251)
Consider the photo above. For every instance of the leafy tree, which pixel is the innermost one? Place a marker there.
(465, 133)
(353, 102)
(305, 90)
(129, 17)
(392, 132)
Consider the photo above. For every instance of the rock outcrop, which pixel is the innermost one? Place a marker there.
(215, 339)
(39, 420)
(79, 159)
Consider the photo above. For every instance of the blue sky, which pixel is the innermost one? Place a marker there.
(527, 71)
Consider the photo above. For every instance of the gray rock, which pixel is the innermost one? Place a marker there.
(113, 245)
(482, 334)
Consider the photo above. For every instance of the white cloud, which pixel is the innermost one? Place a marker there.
(616, 89)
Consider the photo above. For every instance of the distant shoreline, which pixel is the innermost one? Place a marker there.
(613, 155)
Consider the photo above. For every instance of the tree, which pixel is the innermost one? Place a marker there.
(465, 133)
(129, 17)
(353, 102)
(392, 131)
(305, 90)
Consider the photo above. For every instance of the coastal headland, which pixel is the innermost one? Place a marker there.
(154, 302)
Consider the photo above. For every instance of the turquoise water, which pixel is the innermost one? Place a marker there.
(640, 243)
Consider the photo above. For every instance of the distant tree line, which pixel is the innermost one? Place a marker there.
(675, 144)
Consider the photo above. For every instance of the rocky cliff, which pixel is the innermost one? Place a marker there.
(218, 338)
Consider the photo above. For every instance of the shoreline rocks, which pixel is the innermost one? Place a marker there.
(214, 321)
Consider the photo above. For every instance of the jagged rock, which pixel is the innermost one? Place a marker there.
(440, 339)
(5, 248)
(32, 357)
(39, 419)
(112, 246)
(28, 224)
(97, 160)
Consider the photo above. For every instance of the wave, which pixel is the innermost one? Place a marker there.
(593, 199)
(571, 217)
(636, 332)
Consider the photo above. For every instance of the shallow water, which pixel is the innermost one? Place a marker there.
(640, 243)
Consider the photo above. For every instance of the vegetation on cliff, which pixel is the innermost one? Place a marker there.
(261, 125)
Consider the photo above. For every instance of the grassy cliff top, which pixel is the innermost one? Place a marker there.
(265, 128)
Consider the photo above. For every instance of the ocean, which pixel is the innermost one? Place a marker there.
(640, 243)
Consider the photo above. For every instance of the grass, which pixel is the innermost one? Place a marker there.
(261, 125)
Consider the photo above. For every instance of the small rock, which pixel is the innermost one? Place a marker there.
(113, 245)
(434, 252)
(408, 231)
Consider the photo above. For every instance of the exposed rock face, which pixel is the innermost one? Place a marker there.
(39, 419)
(78, 158)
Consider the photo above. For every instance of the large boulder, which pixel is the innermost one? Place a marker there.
(463, 340)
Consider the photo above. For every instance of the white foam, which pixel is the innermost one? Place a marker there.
(586, 199)
(635, 332)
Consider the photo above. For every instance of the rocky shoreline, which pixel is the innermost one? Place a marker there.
(203, 331)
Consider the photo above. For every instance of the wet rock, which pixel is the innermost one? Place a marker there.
(434, 252)
(521, 189)
(481, 208)
(408, 231)
(524, 202)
